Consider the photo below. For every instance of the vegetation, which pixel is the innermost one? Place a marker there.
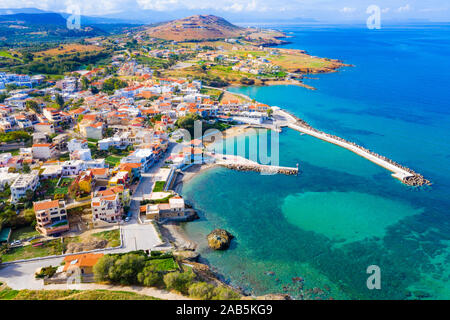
(201, 290)
(39, 249)
(179, 281)
(187, 122)
(46, 272)
(9, 294)
(24, 232)
(133, 268)
(60, 63)
(112, 84)
(112, 236)
(159, 186)
(15, 136)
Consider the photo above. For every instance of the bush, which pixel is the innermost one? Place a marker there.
(46, 272)
(201, 290)
(224, 293)
(126, 269)
(179, 281)
(149, 276)
(133, 268)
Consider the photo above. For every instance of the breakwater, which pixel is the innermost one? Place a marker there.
(404, 174)
(242, 164)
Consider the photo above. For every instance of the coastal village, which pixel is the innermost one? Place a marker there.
(90, 161)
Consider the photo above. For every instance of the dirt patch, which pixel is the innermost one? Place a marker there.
(74, 247)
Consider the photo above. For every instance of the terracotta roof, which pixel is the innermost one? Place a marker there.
(42, 145)
(82, 260)
(44, 205)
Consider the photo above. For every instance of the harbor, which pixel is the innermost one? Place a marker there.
(402, 173)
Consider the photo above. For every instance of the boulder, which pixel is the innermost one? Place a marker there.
(219, 239)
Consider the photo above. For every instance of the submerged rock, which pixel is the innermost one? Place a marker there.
(219, 239)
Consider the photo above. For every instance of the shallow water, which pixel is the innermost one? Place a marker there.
(344, 213)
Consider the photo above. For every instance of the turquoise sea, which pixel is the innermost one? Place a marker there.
(344, 213)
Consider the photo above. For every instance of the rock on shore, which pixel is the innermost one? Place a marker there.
(219, 239)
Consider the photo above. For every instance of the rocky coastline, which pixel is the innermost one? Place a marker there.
(258, 168)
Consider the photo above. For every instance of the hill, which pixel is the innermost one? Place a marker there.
(197, 27)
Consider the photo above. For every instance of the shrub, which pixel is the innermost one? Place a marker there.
(179, 281)
(201, 290)
(126, 268)
(46, 272)
(149, 276)
(224, 293)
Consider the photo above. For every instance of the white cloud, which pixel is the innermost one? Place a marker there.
(404, 8)
(347, 10)
(158, 5)
(385, 10)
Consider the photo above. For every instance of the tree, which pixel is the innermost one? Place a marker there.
(201, 290)
(29, 215)
(59, 100)
(84, 83)
(269, 112)
(102, 267)
(112, 84)
(224, 293)
(149, 277)
(126, 268)
(32, 105)
(26, 168)
(94, 90)
(179, 281)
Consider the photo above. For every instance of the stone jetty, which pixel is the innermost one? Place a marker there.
(243, 164)
(404, 174)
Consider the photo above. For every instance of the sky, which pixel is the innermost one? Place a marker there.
(242, 10)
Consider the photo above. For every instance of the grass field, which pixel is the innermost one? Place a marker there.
(159, 186)
(167, 264)
(9, 294)
(52, 247)
(24, 233)
(113, 160)
(7, 54)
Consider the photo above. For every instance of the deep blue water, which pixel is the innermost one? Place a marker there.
(344, 213)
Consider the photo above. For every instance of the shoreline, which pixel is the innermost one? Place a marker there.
(400, 172)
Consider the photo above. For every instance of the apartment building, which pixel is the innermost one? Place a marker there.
(77, 144)
(73, 167)
(44, 127)
(143, 156)
(23, 183)
(44, 151)
(106, 206)
(52, 115)
(51, 216)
